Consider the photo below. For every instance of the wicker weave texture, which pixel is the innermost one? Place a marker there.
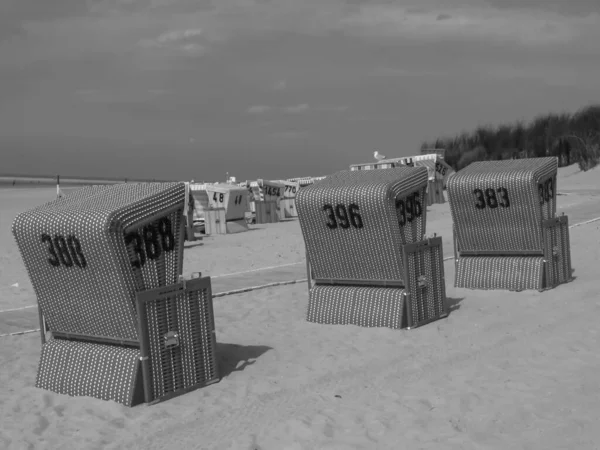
(557, 252)
(88, 253)
(106, 372)
(341, 245)
(192, 363)
(500, 205)
(357, 305)
(513, 273)
(426, 284)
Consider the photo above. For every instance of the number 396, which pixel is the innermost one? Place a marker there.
(342, 216)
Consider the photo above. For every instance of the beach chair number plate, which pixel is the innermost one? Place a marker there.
(64, 252)
(155, 238)
(488, 198)
(409, 208)
(343, 216)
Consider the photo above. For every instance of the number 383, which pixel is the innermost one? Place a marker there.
(488, 198)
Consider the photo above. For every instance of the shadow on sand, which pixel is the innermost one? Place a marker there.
(453, 303)
(235, 357)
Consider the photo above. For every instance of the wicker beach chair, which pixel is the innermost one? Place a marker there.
(366, 252)
(506, 232)
(89, 255)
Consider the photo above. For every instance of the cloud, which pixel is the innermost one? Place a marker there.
(280, 86)
(390, 71)
(186, 40)
(524, 26)
(564, 76)
(259, 109)
(296, 109)
(290, 134)
(119, 96)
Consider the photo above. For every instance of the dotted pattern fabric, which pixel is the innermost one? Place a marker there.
(435, 192)
(427, 299)
(99, 299)
(512, 273)
(516, 228)
(372, 252)
(357, 305)
(193, 362)
(557, 252)
(106, 372)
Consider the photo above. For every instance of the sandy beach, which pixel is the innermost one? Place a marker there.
(504, 371)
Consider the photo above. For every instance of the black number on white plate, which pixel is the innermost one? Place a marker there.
(488, 198)
(220, 198)
(409, 208)
(440, 168)
(63, 251)
(546, 191)
(154, 239)
(238, 199)
(342, 216)
(272, 190)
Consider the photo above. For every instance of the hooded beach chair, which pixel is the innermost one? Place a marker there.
(506, 232)
(368, 263)
(105, 263)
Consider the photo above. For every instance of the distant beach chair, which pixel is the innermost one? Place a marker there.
(506, 233)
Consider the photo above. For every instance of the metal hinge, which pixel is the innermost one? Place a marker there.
(171, 339)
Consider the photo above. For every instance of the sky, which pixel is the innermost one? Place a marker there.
(184, 89)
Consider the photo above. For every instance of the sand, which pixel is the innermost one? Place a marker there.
(503, 371)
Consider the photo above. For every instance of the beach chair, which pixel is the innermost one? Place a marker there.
(368, 262)
(90, 255)
(506, 232)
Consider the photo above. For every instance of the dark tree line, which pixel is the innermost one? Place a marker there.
(573, 138)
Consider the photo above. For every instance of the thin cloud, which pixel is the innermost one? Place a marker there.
(530, 28)
(259, 109)
(280, 86)
(296, 109)
(289, 134)
(186, 40)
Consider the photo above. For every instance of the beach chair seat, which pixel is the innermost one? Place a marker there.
(88, 255)
(364, 236)
(506, 232)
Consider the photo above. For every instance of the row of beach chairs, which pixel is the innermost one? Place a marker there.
(106, 263)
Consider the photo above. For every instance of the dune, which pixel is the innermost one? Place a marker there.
(505, 370)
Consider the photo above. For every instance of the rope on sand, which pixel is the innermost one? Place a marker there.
(242, 290)
(584, 223)
(255, 288)
(218, 294)
(17, 333)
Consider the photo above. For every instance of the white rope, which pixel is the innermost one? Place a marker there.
(18, 333)
(214, 276)
(18, 309)
(247, 289)
(256, 270)
(584, 223)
